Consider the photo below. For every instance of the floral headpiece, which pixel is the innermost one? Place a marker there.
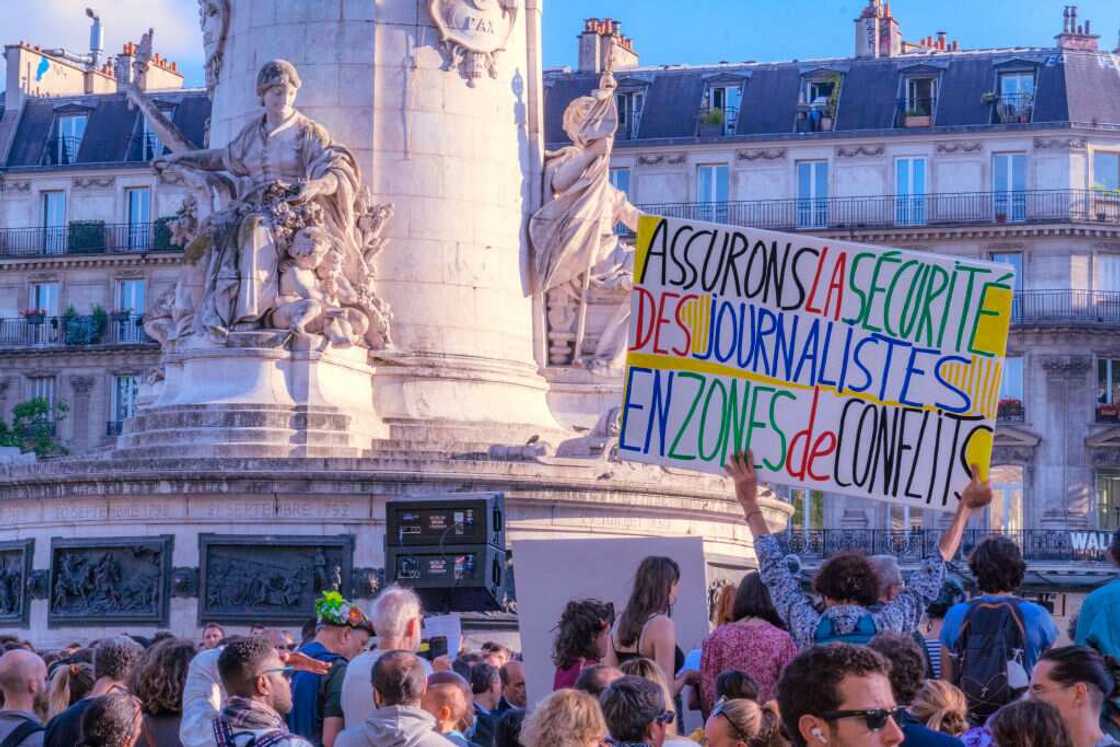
(332, 609)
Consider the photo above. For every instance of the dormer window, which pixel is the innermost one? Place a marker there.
(920, 102)
(820, 97)
(147, 145)
(719, 111)
(66, 139)
(629, 113)
(1016, 97)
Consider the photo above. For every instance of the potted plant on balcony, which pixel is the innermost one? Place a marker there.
(1001, 216)
(711, 122)
(99, 320)
(1106, 203)
(917, 118)
(1010, 409)
(989, 97)
(86, 237)
(34, 316)
(1107, 412)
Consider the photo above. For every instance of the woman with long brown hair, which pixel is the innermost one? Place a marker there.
(582, 639)
(645, 628)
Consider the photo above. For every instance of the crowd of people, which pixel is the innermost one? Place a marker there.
(863, 658)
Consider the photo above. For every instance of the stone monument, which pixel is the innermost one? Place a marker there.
(372, 242)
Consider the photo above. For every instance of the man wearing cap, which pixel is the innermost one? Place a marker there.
(342, 632)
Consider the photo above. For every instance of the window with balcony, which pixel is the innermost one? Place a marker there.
(808, 510)
(66, 139)
(1108, 390)
(1106, 187)
(53, 220)
(820, 98)
(903, 517)
(920, 102)
(910, 191)
(1016, 97)
(43, 297)
(125, 389)
(719, 113)
(620, 180)
(713, 184)
(1005, 513)
(1015, 259)
(42, 387)
(630, 105)
(812, 194)
(139, 202)
(147, 145)
(1009, 187)
(1108, 500)
(1010, 408)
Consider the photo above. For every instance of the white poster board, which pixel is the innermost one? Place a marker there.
(854, 369)
(550, 573)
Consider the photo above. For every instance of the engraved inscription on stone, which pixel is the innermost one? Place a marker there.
(252, 579)
(107, 581)
(15, 571)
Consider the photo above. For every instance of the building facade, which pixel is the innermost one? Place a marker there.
(84, 245)
(1011, 155)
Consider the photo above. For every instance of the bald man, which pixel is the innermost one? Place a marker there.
(23, 675)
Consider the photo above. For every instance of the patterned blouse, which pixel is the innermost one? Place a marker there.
(796, 607)
(757, 648)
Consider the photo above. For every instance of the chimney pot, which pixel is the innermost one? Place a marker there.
(1087, 31)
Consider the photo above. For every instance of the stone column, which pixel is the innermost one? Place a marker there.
(460, 160)
(1064, 477)
(79, 414)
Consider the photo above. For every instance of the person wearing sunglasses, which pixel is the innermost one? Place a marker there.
(260, 696)
(636, 713)
(733, 723)
(840, 696)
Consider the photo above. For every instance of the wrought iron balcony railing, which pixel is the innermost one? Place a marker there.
(73, 331)
(1064, 545)
(893, 211)
(86, 237)
(145, 147)
(713, 121)
(1065, 307)
(916, 112)
(60, 151)
(1015, 108)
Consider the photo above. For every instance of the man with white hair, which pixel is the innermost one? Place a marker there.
(396, 620)
(889, 573)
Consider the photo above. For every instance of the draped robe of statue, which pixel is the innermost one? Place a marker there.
(573, 233)
(244, 273)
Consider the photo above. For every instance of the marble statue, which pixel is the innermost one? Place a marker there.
(214, 16)
(289, 251)
(572, 234)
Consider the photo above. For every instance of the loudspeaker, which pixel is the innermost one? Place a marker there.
(450, 577)
(450, 519)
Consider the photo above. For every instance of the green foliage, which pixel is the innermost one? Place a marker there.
(161, 238)
(86, 236)
(99, 318)
(34, 427)
(713, 117)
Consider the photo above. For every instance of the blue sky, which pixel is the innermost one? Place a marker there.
(664, 31)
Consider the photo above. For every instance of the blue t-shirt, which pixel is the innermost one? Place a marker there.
(1098, 623)
(306, 716)
(917, 734)
(1040, 629)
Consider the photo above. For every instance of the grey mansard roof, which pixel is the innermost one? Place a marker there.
(1071, 87)
(111, 130)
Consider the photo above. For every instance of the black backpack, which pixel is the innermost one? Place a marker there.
(17, 735)
(988, 657)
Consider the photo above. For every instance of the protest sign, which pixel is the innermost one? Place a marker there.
(848, 368)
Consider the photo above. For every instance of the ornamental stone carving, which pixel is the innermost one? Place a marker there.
(21, 185)
(959, 146)
(576, 252)
(15, 581)
(1060, 143)
(473, 33)
(110, 580)
(94, 182)
(82, 385)
(860, 150)
(366, 583)
(1066, 365)
(763, 154)
(269, 579)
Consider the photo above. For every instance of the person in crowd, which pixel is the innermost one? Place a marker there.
(889, 573)
(839, 695)
(991, 642)
(113, 662)
(952, 592)
(203, 697)
(908, 673)
(213, 635)
(396, 617)
(635, 712)
(158, 682)
(732, 684)
(847, 582)
(723, 605)
(582, 639)
(508, 731)
(1098, 622)
(1077, 681)
(259, 697)
(448, 699)
(756, 643)
(23, 678)
(594, 680)
(1028, 723)
(941, 707)
(735, 722)
(566, 718)
(645, 629)
(399, 685)
(649, 671)
(343, 632)
(486, 687)
(495, 654)
(111, 720)
(513, 686)
(70, 682)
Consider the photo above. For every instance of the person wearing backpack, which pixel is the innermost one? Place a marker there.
(259, 697)
(23, 676)
(992, 642)
(847, 581)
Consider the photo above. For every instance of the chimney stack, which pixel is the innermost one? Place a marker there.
(1075, 36)
(603, 39)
